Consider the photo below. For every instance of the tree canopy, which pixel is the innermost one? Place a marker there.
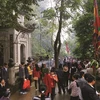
(10, 9)
(83, 28)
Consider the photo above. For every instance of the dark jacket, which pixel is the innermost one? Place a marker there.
(21, 72)
(5, 74)
(2, 90)
(81, 82)
(89, 93)
(59, 73)
(26, 72)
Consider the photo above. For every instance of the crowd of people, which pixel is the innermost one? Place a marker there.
(67, 76)
(70, 77)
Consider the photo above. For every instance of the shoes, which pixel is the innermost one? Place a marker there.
(23, 92)
(36, 89)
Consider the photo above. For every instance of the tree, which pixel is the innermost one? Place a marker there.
(10, 10)
(83, 27)
(57, 43)
(42, 37)
(63, 15)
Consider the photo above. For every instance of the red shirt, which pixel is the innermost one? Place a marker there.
(36, 73)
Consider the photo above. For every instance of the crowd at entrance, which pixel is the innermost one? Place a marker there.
(72, 76)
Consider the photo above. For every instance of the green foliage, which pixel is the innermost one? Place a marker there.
(10, 9)
(84, 31)
(73, 4)
(49, 13)
(83, 27)
(49, 24)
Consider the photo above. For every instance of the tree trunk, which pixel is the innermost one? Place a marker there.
(57, 43)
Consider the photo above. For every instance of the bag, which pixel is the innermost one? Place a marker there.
(26, 84)
(69, 90)
(35, 78)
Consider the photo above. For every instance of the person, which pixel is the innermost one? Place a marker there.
(65, 75)
(74, 87)
(22, 77)
(4, 92)
(98, 73)
(81, 81)
(47, 82)
(54, 79)
(36, 74)
(73, 69)
(42, 91)
(5, 74)
(88, 91)
(44, 70)
(29, 71)
(60, 83)
(50, 80)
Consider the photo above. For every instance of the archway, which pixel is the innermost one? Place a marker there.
(22, 53)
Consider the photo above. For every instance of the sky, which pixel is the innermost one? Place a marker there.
(46, 4)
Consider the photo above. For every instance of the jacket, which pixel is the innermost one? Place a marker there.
(89, 93)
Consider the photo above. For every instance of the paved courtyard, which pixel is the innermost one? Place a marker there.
(32, 92)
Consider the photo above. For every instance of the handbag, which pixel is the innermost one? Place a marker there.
(26, 84)
(35, 78)
(69, 90)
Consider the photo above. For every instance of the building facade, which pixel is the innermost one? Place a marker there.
(15, 44)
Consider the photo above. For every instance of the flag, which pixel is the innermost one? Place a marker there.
(96, 18)
(96, 35)
(67, 48)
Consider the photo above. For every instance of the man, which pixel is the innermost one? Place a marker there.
(5, 74)
(81, 81)
(4, 92)
(88, 90)
(59, 73)
(22, 77)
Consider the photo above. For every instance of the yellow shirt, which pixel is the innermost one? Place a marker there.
(29, 70)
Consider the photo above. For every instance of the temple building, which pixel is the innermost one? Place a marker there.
(15, 43)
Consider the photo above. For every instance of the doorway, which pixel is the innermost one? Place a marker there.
(22, 53)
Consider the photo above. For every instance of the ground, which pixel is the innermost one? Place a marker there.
(32, 92)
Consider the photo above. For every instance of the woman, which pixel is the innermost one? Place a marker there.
(74, 87)
(22, 77)
(53, 80)
(29, 72)
(36, 76)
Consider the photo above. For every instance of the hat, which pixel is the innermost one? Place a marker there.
(29, 59)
